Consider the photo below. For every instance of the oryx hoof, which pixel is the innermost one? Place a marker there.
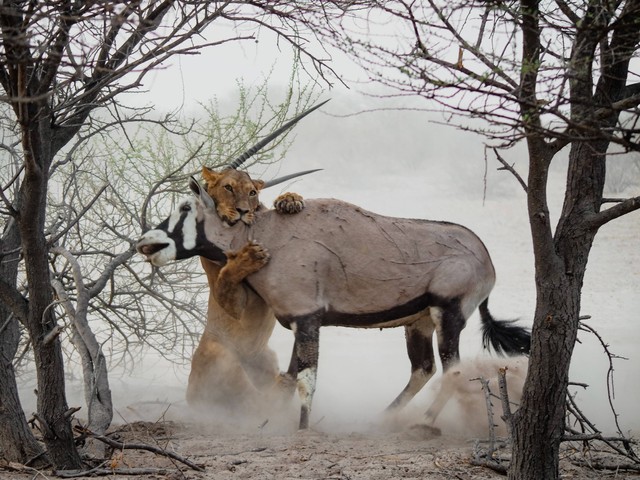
(289, 203)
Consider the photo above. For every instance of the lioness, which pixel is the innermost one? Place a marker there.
(233, 365)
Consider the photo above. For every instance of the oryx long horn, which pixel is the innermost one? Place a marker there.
(278, 180)
(253, 150)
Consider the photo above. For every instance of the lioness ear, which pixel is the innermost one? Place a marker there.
(210, 176)
(259, 184)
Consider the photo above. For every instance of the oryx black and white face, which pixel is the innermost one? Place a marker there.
(174, 238)
(182, 235)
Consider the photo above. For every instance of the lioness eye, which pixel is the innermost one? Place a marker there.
(228, 187)
(252, 193)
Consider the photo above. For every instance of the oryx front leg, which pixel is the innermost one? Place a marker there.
(307, 338)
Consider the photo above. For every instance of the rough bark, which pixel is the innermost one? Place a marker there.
(17, 443)
(51, 399)
(561, 257)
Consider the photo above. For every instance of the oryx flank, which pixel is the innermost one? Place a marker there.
(337, 264)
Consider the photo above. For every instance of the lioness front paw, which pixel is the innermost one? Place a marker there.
(289, 203)
(249, 259)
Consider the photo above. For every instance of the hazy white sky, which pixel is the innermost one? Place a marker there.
(189, 79)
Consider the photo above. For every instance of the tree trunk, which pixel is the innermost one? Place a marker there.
(97, 392)
(17, 444)
(560, 269)
(53, 416)
(539, 422)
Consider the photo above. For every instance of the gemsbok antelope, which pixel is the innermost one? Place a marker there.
(338, 264)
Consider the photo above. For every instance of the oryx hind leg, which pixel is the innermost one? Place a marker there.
(420, 350)
(449, 323)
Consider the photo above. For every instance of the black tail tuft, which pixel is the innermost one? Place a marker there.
(505, 337)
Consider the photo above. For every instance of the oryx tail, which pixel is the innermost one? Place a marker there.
(502, 335)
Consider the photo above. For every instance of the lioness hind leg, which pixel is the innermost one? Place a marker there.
(289, 203)
(218, 378)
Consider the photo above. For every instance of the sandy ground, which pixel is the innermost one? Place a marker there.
(412, 453)
(269, 446)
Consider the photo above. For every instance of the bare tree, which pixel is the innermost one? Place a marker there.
(60, 61)
(17, 442)
(556, 75)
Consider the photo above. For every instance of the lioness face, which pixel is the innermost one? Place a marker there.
(235, 194)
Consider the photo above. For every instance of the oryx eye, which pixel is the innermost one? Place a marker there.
(228, 188)
(253, 193)
(185, 208)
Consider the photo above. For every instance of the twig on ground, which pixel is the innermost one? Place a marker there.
(586, 426)
(103, 472)
(602, 465)
(507, 416)
(492, 464)
(139, 446)
(487, 458)
(492, 426)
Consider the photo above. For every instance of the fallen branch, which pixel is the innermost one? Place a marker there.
(580, 437)
(103, 472)
(600, 465)
(492, 464)
(138, 446)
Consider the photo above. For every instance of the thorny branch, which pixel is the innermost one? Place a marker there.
(509, 168)
(587, 433)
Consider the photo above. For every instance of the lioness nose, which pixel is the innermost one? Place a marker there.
(242, 211)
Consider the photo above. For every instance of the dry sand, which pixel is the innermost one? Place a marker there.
(309, 455)
(398, 447)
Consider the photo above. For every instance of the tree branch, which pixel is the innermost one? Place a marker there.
(510, 168)
(17, 303)
(604, 216)
(70, 225)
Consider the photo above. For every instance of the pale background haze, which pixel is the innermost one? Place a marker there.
(399, 163)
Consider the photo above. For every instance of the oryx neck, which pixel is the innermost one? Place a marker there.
(223, 236)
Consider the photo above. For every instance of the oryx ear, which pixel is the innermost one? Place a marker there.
(201, 193)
